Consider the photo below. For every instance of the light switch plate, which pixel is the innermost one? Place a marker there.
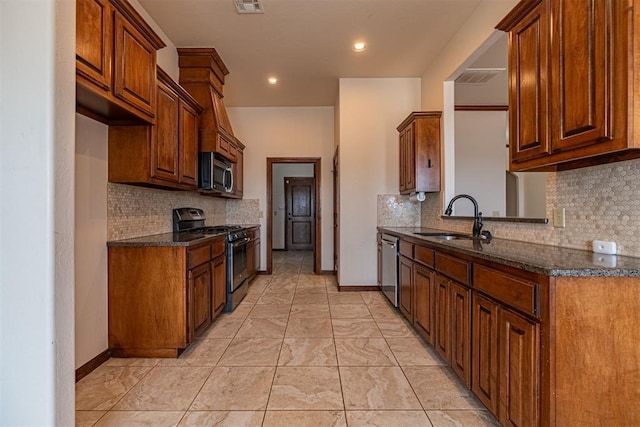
(559, 218)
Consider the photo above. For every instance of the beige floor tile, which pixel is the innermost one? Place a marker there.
(204, 352)
(262, 328)
(241, 311)
(252, 297)
(305, 419)
(276, 298)
(355, 328)
(395, 328)
(268, 311)
(312, 279)
(384, 311)
(132, 361)
(388, 418)
(306, 388)
(311, 289)
(102, 388)
(308, 352)
(310, 311)
(252, 352)
(364, 352)
(88, 418)
(462, 418)
(165, 388)
(140, 419)
(223, 327)
(235, 389)
(413, 352)
(377, 388)
(309, 328)
(310, 298)
(350, 311)
(222, 419)
(346, 298)
(370, 298)
(287, 286)
(437, 388)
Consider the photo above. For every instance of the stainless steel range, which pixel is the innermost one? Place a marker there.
(191, 220)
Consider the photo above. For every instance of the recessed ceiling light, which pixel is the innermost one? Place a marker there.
(272, 80)
(359, 46)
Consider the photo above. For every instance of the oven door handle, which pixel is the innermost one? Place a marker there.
(240, 242)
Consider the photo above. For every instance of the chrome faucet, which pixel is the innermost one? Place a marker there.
(477, 216)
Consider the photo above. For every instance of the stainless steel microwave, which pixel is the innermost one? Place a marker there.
(214, 174)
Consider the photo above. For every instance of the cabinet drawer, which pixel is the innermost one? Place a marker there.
(424, 255)
(218, 247)
(518, 293)
(406, 249)
(200, 255)
(455, 268)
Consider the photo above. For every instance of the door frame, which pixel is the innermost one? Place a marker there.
(317, 251)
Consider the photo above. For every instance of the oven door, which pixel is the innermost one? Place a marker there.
(237, 263)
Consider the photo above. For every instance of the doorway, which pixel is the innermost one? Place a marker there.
(306, 229)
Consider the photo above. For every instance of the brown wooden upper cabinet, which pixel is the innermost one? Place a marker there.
(163, 155)
(420, 152)
(115, 62)
(572, 66)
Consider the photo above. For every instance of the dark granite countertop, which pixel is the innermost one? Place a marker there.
(166, 239)
(537, 258)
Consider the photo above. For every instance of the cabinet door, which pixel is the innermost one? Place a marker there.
(405, 279)
(199, 299)
(251, 269)
(188, 143)
(484, 351)
(403, 161)
(424, 316)
(528, 88)
(164, 142)
(460, 344)
(410, 152)
(94, 35)
(134, 79)
(518, 370)
(581, 71)
(443, 317)
(379, 266)
(219, 265)
(238, 174)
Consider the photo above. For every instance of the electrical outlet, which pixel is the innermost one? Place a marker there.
(260, 214)
(559, 218)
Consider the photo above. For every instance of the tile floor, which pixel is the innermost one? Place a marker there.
(294, 353)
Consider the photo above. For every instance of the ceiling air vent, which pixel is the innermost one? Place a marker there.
(478, 75)
(249, 6)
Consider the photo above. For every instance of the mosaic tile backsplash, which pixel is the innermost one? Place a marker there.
(243, 211)
(138, 211)
(601, 203)
(395, 210)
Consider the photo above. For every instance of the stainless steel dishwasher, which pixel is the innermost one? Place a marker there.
(390, 268)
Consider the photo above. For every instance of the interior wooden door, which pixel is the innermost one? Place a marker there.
(336, 212)
(299, 196)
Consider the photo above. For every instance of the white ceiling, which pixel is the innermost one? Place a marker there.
(307, 43)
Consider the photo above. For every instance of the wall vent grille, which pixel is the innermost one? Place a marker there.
(478, 75)
(249, 6)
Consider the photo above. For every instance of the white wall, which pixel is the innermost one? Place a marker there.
(280, 171)
(480, 161)
(287, 132)
(91, 235)
(370, 111)
(37, 85)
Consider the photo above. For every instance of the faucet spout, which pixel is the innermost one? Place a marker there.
(477, 216)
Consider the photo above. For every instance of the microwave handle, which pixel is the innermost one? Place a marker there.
(230, 187)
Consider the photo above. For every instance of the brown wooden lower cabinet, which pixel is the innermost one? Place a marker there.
(163, 297)
(484, 351)
(518, 370)
(460, 344)
(405, 283)
(443, 317)
(536, 350)
(424, 306)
